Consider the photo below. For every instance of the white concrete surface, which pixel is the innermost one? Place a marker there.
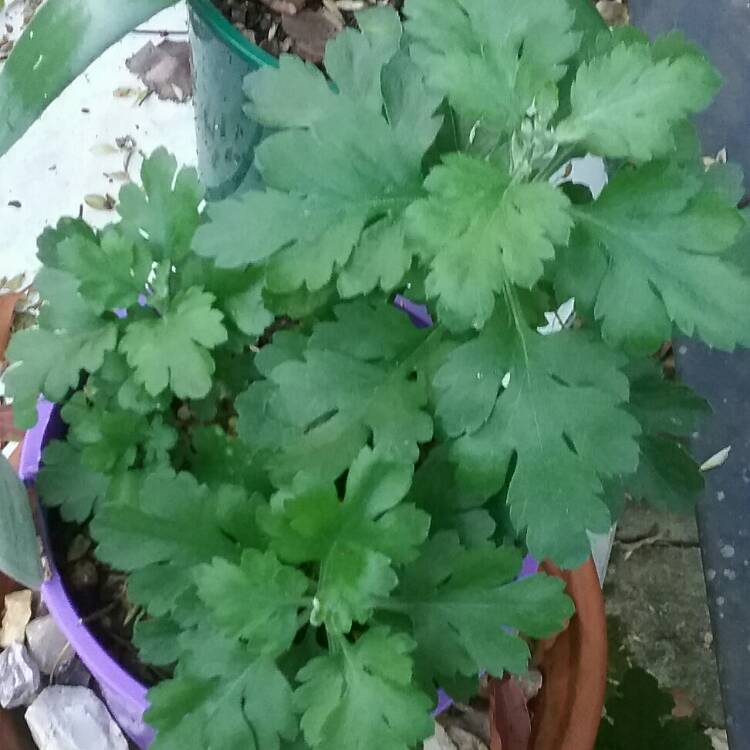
(65, 155)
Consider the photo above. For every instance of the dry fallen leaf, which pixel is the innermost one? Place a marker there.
(310, 31)
(684, 707)
(100, 202)
(164, 69)
(16, 617)
(717, 459)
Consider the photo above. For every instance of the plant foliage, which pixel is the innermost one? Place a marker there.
(308, 492)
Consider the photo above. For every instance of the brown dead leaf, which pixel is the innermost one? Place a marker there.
(9, 433)
(100, 202)
(16, 617)
(684, 707)
(8, 304)
(164, 69)
(309, 31)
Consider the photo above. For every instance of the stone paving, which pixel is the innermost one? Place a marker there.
(656, 592)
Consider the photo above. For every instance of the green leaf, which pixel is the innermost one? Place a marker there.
(256, 601)
(625, 103)
(479, 232)
(158, 525)
(248, 309)
(48, 360)
(108, 438)
(667, 476)
(214, 701)
(19, 548)
(639, 714)
(303, 98)
(491, 57)
(172, 350)
(450, 505)
(156, 641)
(336, 169)
(340, 693)
(111, 271)
(458, 600)
(355, 541)
(314, 413)
(652, 246)
(354, 61)
(56, 47)
(165, 210)
(561, 415)
(65, 482)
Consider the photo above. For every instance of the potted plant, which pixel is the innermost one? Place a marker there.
(308, 492)
(40, 68)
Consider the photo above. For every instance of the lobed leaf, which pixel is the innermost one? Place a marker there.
(509, 51)
(317, 409)
(458, 599)
(364, 696)
(479, 232)
(649, 253)
(173, 350)
(355, 541)
(560, 414)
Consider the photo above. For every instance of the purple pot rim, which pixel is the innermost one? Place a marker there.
(106, 671)
(102, 666)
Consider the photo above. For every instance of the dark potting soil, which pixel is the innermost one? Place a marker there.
(99, 595)
(302, 27)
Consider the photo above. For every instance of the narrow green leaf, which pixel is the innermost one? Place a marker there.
(19, 548)
(55, 48)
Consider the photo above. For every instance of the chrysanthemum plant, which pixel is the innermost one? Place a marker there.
(323, 507)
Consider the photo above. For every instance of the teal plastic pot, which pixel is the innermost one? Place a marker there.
(226, 137)
(222, 57)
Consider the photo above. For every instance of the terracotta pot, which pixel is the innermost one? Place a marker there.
(567, 712)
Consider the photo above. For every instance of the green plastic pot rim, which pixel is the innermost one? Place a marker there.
(225, 32)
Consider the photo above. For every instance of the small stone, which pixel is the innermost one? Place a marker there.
(16, 617)
(72, 718)
(440, 740)
(48, 645)
(530, 683)
(75, 674)
(464, 740)
(19, 677)
(614, 12)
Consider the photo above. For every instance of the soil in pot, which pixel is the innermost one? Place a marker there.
(302, 27)
(99, 595)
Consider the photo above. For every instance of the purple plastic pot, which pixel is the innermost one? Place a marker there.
(125, 696)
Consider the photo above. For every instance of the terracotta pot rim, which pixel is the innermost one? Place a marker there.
(567, 712)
